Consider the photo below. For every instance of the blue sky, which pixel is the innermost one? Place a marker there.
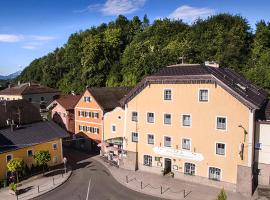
(30, 28)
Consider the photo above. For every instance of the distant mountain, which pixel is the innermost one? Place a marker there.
(11, 76)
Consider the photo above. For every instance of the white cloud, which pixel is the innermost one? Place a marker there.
(115, 7)
(31, 47)
(10, 38)
(190, 14)
(42, 38)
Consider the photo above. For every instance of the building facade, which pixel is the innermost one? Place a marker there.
(193, 121)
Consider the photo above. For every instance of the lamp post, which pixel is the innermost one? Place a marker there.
(65, 164)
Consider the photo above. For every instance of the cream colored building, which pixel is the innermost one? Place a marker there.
(196, 122)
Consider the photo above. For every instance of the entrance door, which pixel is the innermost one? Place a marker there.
(167, 165)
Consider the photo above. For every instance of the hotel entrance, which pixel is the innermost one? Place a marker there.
(167, 165)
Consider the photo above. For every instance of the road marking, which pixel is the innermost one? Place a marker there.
(88, 189)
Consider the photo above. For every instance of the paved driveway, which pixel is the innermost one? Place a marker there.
(89, 173)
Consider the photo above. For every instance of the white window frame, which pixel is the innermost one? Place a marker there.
(216, 123)
(164, 119)
(132, 116)
(199, 95)
(132, 137)
(195, 170)
(190, 144)
(28, 154)
(151, 160)
(164, 141)
(182, 120)
(113, 131)
(167, 100)
(208, 173)
(147, 118)
(9, 155)
(225, 149)
(147, 138)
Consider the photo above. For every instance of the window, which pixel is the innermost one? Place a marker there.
(186, 144)
(87, 99)
(96, 115)
(167, 141)
(150, 139)
(189, 169)
(30, 99)
(203, 95)
(221, 123)
(134, 117)
(167, 118)
(214, 173)
(80, 128)
(113, 128)
(41, 98)
(220, 149)
(186, 120)
(150, 117)
(54, 146)
(29, 153)
(134, 137)
(9, 158)
(55, 159)
(147, 160)
(258, 146)
(167, 94)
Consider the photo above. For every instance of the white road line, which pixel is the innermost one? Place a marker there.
(88, 189)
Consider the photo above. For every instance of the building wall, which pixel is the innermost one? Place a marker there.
(22, 153)
(88, 121)
(60, 116)
(36, 98)
(203, 132)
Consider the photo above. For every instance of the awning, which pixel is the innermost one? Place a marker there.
(116, 141)
(111, 148)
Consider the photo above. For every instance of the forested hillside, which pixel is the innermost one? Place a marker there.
(123, 51)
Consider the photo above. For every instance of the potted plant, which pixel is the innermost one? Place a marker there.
(13, 188)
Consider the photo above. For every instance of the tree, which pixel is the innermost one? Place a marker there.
(15, 166)
(42, 158)
(222, 195)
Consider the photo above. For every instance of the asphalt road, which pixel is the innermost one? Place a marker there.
(88, 173)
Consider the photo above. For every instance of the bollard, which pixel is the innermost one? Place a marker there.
(17, 197)
(127, 179)
(141, 185)
(38, 188)
(62, 175)
(160, 189)
(53, 180)
(184, 193)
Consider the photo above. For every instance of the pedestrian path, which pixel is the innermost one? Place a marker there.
(165, 186)
(36, 186)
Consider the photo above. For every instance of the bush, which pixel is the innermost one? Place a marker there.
(222, 195)
(13, 186)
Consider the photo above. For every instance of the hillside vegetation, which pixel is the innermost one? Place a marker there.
(123, 51)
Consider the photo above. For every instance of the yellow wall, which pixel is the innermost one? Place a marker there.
(203, 133)
(22, 153)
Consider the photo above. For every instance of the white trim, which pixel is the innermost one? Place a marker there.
(184, 168)
(182, 144)
(9, 155)
(112, 128)
(164, 141)
(225, 149)
(28, 151)
(147, 118)
(164, 119)
(250, 137)
(147, 138)
(181, 120)
(164, 96)
(88, 122)
(214, 167)
(98, 109)
(199, 95)
(137, 116)
(220, 116)
(143, 160)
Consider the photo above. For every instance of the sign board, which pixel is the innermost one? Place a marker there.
(176, 153)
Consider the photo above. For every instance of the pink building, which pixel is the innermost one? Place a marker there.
(63, 111)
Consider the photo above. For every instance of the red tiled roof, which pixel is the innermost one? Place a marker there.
(68, 101)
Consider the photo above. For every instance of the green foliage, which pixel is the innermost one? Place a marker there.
(123, 51)
(13, 186)
(222, 195)
(14, 166)
(42, 157)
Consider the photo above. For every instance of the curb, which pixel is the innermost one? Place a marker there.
(127, 186)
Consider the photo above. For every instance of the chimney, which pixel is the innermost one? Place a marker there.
(73, 93)
(19, 82)
(211, 64)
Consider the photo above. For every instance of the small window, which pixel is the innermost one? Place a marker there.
(167, 118)
(9, 158)
(134, 137)
(87, 99)
(150, 117)
(214, 173)
(189, 169)
(54, 146)
(167, 141)
(80, 128)
(186, 144)
(30, 99)
(167, 94)
(96, 115)
(150, 139)
(221, 123)
(29, 153)
(55, 160)
(147, 160)
(42, 98)
(220, 149)
(203, 95)
(186, 120)
(113, 128)
(134, 117)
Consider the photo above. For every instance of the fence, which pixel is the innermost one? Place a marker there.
(162, 189)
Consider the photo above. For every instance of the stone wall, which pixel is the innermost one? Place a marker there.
(244, 180)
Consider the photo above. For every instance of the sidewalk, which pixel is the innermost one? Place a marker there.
(38, 185)
(165, 187)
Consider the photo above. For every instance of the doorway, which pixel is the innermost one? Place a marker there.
(167, 165)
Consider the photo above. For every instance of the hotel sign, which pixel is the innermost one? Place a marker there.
(175, 153)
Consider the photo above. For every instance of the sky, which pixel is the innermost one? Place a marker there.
(30, 29)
